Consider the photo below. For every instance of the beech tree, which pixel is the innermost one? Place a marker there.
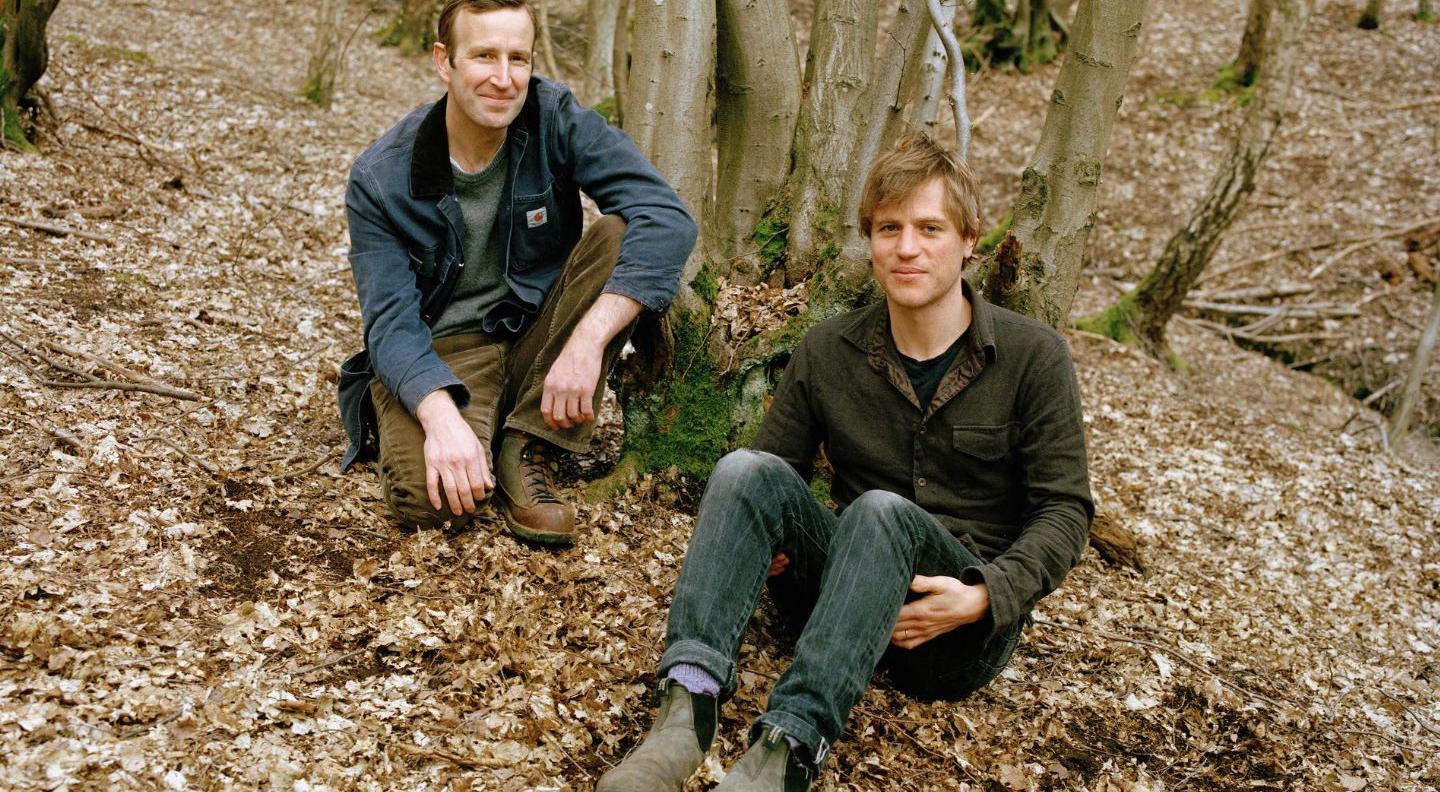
(24, 54)
(1140, 316)
(776, 180)
(1252, 43)
(326, 54)
(412, 28)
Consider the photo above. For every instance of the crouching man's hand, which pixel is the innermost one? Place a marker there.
(455, 465)
(947, 604)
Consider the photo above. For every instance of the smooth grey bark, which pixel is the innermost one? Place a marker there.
(956, 71)
(758, 100)
(599, 80)
(924, 110)
(1143, 313)
(669, 104)
(24, 55)
(883, 112)
(837, 71)
(1037, 268)
(1410, 396)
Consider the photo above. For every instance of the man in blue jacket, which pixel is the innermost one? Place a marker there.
(485, 308)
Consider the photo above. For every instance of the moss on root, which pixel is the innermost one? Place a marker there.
(1116, 322)
(992, 238)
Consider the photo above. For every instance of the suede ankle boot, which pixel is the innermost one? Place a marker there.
(673, 749)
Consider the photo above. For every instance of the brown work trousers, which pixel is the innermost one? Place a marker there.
(506, 379)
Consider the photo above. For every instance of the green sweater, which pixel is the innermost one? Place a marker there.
(997, 457)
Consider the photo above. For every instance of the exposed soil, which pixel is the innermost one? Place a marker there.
(192, 596)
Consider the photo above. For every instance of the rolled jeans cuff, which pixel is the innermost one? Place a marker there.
(801, 730)
(714, 663)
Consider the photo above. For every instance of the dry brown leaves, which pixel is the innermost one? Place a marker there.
(192, 598)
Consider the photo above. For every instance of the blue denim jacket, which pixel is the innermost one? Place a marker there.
(407, 238)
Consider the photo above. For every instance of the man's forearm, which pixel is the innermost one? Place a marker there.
(610, 314)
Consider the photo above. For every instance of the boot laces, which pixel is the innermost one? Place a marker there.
(538, 474)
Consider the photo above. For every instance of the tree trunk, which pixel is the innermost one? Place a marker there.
(412, 30)
(1370, 17)
(1140, 316)
(326, 57)
(599, 82)
(24, 55)
(1037, 268)
(1252, 45)
(758, 100)
(837, 72)
(621, 64)
(883, 111)
(924, 110)
(1400, 423)
(669, 105)
(547, 45)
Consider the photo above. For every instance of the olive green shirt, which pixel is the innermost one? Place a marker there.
(997, 456)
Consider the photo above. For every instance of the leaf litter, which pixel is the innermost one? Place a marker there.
(193, 598)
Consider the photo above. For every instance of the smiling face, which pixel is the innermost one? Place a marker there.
(918, 251)
(487, 66)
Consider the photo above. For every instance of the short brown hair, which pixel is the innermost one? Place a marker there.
(452, 8)
(914, 161)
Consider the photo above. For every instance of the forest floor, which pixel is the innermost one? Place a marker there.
(192, 597)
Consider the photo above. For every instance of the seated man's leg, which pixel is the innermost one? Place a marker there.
(754, 506)
(881, 542)
(523, 474)
(476, 360)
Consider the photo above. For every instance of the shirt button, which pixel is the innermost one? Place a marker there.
(920, 481)
(922, 429)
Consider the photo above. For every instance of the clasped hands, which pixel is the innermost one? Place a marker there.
(947, 603)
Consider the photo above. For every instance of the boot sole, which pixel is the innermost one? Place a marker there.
(520, 530)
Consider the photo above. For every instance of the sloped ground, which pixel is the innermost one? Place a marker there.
(193, 599)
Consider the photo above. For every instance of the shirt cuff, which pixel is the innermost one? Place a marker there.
(1003, 609)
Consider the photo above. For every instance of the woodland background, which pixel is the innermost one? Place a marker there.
(192, 597)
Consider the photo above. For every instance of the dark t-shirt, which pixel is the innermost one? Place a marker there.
(925, 375)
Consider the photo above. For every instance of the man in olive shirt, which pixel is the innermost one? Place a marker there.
(954, 430)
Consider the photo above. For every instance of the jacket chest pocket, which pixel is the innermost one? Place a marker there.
(535, 238)
(982, 454)
(424, 262)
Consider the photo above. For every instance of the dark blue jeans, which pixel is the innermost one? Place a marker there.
(847, 579)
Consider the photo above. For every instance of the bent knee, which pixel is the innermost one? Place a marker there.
(882, 502)
(745, 465)
(410, 507)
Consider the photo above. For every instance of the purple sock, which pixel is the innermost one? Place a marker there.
(694, 679)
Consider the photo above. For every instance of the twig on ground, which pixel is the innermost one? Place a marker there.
(1233, 333)
(442, 755)
(334, 661)
(90, 380)
(1179, 655)
(1309, 311)
(1361, 244)
(109, 365)
(329, 455)
(1371, 399)
(54, 230)
(206, 466)
(124, 386)
(1255, 293)
(69, 440)
(1427, 727)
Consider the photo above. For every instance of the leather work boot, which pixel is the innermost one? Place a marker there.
(527, 492)
(769, 766)
(673, 749)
